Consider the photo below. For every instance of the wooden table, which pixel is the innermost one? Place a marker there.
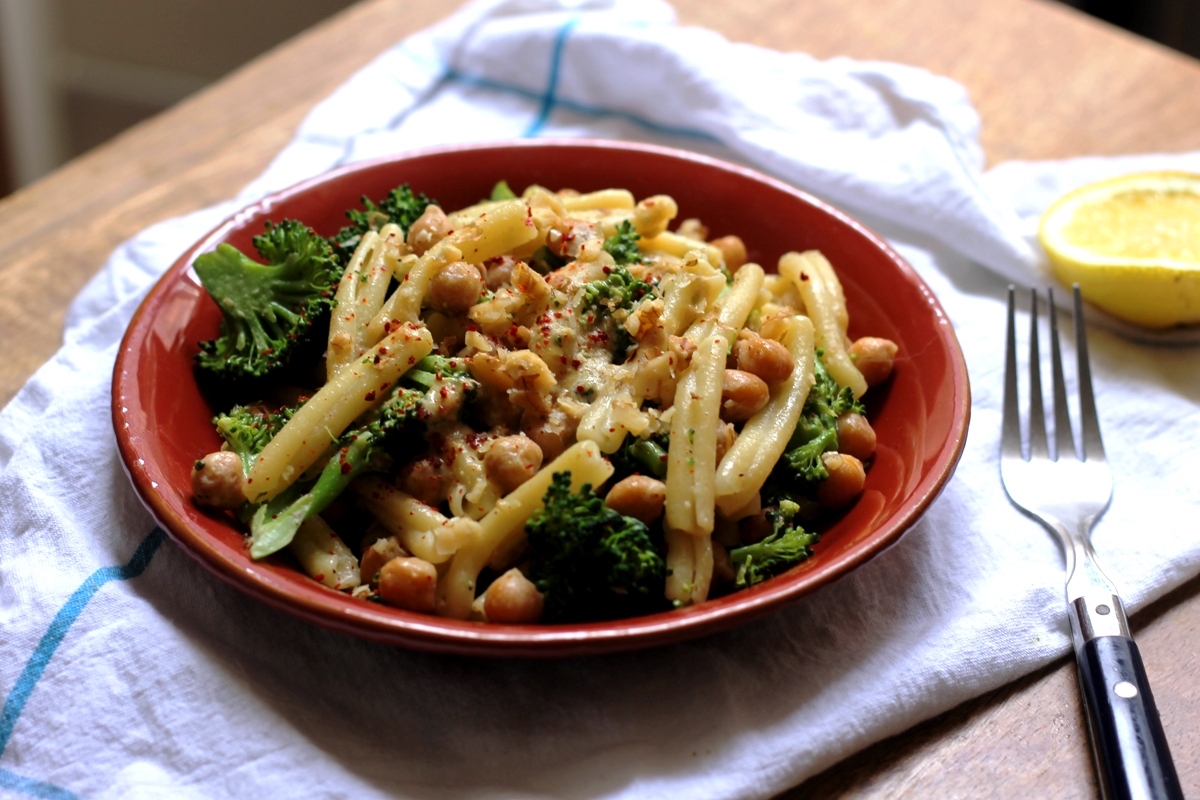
(1048, 83)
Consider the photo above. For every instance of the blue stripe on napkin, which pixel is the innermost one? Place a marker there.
(14, 704)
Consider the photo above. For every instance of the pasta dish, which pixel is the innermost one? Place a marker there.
(546, 407)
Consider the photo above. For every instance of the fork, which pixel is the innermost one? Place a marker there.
(1067, 492)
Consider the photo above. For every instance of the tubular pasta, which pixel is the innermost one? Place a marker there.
(689, 567)
(323, 555)
(744, 469)
(360, 295)
(691, 459)
(603, 199)
(354, 390)
(420, 528)
(825, 304)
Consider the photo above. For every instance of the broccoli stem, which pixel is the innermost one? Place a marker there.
(650, 456)
(274, 526)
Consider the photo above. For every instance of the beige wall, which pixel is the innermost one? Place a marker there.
(106, 64)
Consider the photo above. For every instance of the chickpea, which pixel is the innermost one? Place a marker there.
(845, 481)
(374, 557)
(855, 435)
(726, 436)
(553, 434)
(425, 479)
(429, 229)
(742, 396)
(217, 480)
(409, 583)
(499, 272)
(723, 571)
(638, 496)
(874, 358)
(733, 250)
(512, 460)
(765, 358)
(512, 598)
(455, 288)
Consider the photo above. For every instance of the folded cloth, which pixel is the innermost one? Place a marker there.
(129, 672)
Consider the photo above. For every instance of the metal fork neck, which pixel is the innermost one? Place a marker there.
(1095, 608)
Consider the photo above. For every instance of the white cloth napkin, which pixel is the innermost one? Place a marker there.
(126, 671)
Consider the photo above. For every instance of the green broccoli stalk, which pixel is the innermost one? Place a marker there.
(362, 449)
(433, 369)
(367, 447)
(589, 561)
(642, 456)
(787, 545)
(501, 192)
(400, 206)
(268, 310)
(622, 245)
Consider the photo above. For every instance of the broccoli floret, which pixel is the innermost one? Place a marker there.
(589, 561)
(622, 245)
(246, 431)
(644, 456)
(617, 289)
(400, 206)
(805, 460)
(268, 310)
(787, 545)
(816, 431)
(362, 449)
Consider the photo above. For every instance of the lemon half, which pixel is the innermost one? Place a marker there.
(1132, 244)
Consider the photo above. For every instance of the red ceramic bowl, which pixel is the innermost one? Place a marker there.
(920, 416)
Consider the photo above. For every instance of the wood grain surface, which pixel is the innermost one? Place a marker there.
(1048, 83)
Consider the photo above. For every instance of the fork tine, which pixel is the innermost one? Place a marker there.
(1093, 445)
(1064, 440)
(1038, 447)
(1010, 430)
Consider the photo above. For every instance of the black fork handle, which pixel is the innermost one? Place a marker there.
(1132, 758)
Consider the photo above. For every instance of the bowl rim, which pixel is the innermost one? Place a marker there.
(439, 634)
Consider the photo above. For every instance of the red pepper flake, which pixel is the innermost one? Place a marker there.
(320, 576)
(346, 468)
(370, 396)
(607, 270)
(803, 276)
(576, 363)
